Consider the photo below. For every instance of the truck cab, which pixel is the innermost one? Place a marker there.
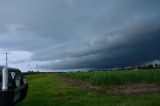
(13, 86)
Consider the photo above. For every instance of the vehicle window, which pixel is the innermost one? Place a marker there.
(14, 79)
(13, 74)
(11, 82)
(17, 79)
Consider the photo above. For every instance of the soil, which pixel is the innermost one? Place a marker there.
(131, 89)
(135, 89)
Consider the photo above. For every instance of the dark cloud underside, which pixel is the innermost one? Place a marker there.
(82, 34)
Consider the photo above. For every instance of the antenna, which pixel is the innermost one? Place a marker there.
(6, 59)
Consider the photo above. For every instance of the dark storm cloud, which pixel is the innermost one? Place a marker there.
(138, 48)
(82, 34)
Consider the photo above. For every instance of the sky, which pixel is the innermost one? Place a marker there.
(58, 35)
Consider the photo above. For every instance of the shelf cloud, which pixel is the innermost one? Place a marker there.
(79, 34)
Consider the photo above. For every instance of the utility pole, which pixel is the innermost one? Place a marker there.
(6, 59)
(37, 67)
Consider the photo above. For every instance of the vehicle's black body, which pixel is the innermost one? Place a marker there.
(17, 87)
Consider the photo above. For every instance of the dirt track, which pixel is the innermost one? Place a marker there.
(132, 89)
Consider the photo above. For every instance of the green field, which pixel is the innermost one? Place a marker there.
(111, 78)
(48, 90)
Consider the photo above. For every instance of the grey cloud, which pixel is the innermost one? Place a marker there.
(88, 34)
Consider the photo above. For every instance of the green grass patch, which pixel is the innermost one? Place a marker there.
(49, 91)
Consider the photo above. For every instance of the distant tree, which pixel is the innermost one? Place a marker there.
(156, 66)
(150, 66)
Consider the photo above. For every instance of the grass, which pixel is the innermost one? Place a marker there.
(111, 78)
(47, 90)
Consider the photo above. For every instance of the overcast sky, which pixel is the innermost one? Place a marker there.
(79, 34)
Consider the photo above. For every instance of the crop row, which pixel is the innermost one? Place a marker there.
(117, 77)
